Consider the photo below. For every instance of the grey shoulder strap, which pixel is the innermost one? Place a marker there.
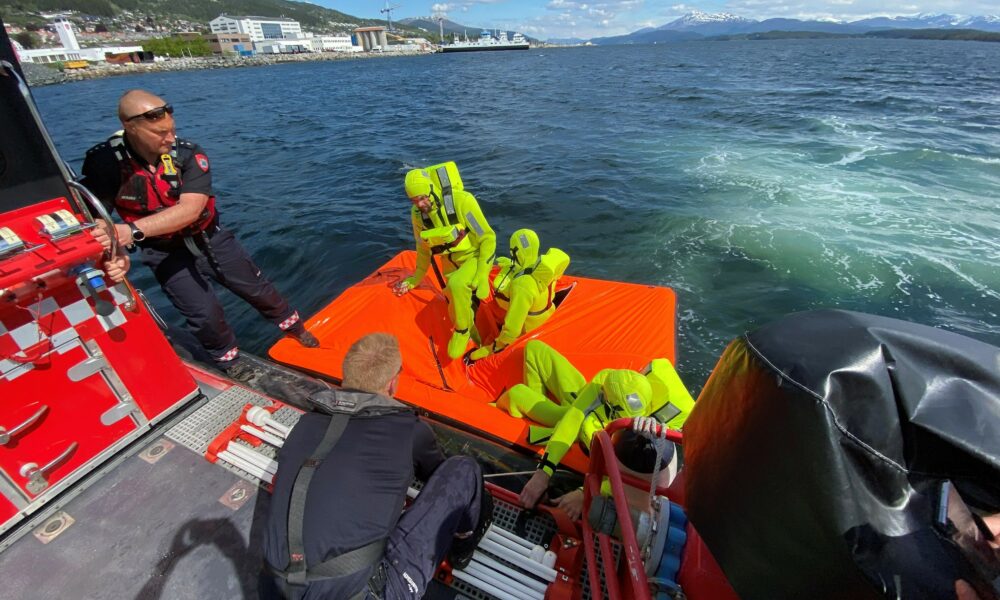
(296, 573)
(447, 195)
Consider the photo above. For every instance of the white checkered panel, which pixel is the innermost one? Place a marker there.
(52, 324)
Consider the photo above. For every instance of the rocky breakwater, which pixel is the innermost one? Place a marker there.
(44, 75)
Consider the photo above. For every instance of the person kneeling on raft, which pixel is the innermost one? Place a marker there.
(524, 288)
(450, 223)
(580, 409)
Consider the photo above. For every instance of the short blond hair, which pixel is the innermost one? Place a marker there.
(372, 362)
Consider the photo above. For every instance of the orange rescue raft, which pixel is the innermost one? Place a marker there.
(598, 324)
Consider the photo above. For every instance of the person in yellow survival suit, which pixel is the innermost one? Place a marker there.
(524, 288)
(582, 408)
(449, 222)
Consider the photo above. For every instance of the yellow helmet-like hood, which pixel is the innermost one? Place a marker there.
(418, 183)
(524, 247)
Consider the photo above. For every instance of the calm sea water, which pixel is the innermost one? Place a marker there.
(755, 178)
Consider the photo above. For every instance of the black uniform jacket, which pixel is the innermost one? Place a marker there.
(357, 493)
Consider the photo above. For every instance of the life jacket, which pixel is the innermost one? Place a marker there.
(143, 193)
(443, 229)
(546, 272)
(672, 403)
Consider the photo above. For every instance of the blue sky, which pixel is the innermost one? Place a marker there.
(546, 19)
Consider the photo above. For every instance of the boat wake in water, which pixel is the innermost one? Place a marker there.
(755, 178)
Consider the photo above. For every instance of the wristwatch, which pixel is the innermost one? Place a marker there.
(137, 234)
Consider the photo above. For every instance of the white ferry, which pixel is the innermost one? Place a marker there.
(488, 41)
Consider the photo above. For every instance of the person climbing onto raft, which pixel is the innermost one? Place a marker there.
(582, 408)
(447, 221)
(524, 289)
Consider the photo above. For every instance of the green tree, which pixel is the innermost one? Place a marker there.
(177, 46)
(28, 39)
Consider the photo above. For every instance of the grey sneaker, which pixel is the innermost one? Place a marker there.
(306, 339)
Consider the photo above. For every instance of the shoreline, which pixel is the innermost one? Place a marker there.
(40, 74)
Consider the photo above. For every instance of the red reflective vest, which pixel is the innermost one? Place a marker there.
(143, 192)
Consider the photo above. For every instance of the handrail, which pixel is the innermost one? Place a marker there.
(604, 463)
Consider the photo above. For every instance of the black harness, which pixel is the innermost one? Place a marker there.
(298, 574)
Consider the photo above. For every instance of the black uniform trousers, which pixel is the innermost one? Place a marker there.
(447, 505)
(186, 280)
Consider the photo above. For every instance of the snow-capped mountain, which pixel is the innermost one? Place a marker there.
(699, 24)
(698, 19)
(932, 21)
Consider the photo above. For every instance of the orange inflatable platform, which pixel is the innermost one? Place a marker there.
(598, 324)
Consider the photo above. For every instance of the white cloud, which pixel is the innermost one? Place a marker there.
(850, 10)
(596, 18)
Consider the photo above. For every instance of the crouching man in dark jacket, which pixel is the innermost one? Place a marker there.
(336, 527)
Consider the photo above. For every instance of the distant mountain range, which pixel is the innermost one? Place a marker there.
(698, 25)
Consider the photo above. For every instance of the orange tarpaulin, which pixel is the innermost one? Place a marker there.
(599, 324)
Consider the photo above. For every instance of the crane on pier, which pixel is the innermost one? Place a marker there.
(387, 11)
(439, 17)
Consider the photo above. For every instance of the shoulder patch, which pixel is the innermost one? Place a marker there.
(202, 161)
(98, 147)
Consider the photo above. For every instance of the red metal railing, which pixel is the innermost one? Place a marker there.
(603, 463)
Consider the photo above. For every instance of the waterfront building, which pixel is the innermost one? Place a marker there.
(334, 43)
(64, 29)
(284, 46)
(70, 49)
(223, 43)
(259, 29)
(372, 38)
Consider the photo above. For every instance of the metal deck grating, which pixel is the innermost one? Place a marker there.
(198, 430)
(537, 528)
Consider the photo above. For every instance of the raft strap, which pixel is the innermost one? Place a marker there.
(437, 274)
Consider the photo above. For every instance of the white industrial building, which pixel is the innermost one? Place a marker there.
(334, 43)
(284, 46)
(259, 29)
(70, 49)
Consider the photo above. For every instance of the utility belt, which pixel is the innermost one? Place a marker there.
(374, 589)
(533, 313)
(536, 313)
(177, 241)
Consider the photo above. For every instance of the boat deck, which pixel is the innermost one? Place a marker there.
(160, 521)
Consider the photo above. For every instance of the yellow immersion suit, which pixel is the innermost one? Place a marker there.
(456, 229)
(580, 408)
(524, 288)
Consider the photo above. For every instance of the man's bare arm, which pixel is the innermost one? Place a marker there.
(170, 220)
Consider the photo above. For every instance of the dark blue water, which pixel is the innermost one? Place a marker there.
(755, 178)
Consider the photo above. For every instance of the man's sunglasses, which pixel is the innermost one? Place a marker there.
(154, 114)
